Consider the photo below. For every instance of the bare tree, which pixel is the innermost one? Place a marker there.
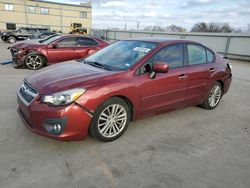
(226, 28)
(170, 28)
(154, 28)
(175, 28)
(212, 27)
(200, 27)
(248, 28)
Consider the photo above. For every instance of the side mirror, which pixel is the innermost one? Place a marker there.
(159, 67)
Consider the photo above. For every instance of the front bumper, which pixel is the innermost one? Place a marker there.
(36, 114)
(17, 59)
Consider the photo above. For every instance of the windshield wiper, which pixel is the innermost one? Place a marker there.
(96, 64)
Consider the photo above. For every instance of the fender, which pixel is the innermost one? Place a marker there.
(34, 52)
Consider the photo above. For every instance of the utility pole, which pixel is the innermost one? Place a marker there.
(26, 13)
(138, 26)
(61, 20)
(125, 26)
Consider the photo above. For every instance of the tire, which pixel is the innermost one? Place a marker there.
(34, 61)
(110, 120)
(213, 97)
(11, 39)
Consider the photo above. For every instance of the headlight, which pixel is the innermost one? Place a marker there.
(63, 98)
(21, 51)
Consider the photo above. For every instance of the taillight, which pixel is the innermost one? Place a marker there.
(229, 65)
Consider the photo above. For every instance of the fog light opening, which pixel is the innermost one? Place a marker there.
(54, 126)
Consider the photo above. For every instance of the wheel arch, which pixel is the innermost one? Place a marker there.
(222, 84)
(37, 53)
(128, 102)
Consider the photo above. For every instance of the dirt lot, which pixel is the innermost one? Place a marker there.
(188, 148)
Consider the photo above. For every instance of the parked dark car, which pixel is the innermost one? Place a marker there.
(21, 34)
(125, 81)
(34, 54)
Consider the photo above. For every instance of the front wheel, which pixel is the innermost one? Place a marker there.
(214, 96)
(34, 61)
(12, 40)
(110, 120)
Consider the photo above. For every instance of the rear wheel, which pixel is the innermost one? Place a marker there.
(110, 120)
(34, 61)
(11, 40)
(214, 96)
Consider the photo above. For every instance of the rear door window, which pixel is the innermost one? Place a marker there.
(196, 54)
(86, 42)
(210, 56)
(67, 42)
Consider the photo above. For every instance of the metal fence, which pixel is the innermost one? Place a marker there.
(231, 45)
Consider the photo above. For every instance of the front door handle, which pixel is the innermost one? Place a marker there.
(182, 77)
(211, 70)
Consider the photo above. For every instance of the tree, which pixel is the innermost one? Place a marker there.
(154, 28)
(200, 27)
(248, 28)
(175, 28)
(212, 27)
(226, 28)
(170, 28)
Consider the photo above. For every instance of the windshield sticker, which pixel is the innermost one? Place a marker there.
(141, 49)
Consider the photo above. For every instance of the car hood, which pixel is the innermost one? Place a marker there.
(65, 76)
(27, 44)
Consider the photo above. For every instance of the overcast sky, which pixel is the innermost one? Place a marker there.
(114, 13)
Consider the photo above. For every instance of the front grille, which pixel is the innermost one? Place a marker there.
(13, 51)
(27, 93)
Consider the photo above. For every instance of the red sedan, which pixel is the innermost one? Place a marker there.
(125, 81)
(35, 54)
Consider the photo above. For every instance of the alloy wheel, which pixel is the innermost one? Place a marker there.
(33, 62)
(214, 95)
(112, 120)
(12, 40)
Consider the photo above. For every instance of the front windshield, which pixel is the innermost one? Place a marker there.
(50, 39)
(121, 55)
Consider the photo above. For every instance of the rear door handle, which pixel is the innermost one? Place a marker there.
(211, 70)
(182, 77)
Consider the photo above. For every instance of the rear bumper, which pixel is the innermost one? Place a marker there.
(35, 115)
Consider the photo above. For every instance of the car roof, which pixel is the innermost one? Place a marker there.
(76, 35)
(161, 40)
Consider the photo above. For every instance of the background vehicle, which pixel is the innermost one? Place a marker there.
(125, 81)
(21, 34)
(35, 54)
